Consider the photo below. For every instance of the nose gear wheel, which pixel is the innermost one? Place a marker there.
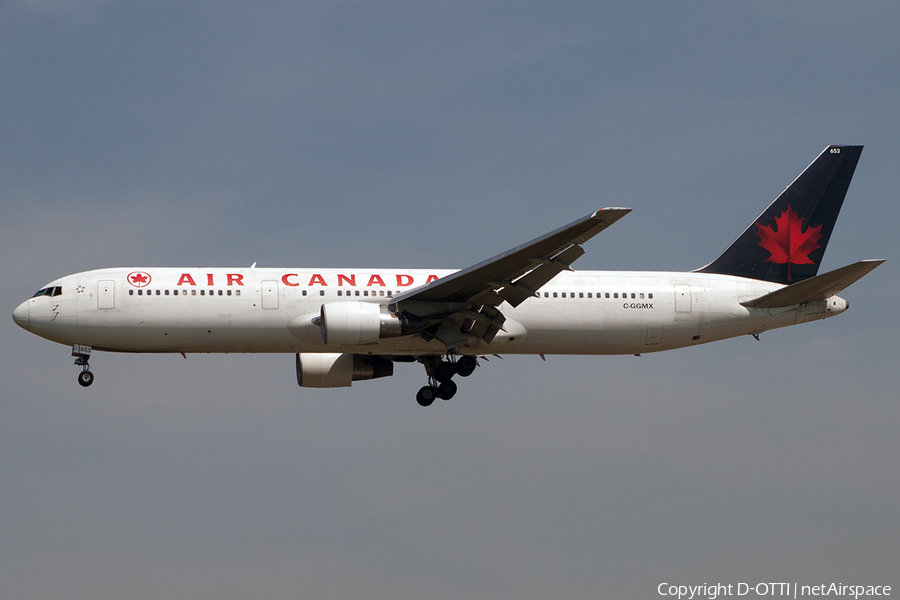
(82, 354)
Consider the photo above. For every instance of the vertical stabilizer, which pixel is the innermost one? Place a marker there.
(786, 243)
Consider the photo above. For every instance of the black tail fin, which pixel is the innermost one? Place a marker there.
(787, 242)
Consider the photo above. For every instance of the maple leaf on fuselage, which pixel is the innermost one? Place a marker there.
(788, 243)
(138, 278)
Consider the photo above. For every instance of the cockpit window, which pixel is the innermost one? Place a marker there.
(49, 291)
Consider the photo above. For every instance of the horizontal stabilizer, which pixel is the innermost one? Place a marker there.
(819, 287)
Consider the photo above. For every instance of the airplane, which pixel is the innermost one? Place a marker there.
(346, 325)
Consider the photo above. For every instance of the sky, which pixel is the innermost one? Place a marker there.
(407, 134)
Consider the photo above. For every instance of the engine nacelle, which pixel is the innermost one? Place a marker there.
(321, 370)
(354, 323)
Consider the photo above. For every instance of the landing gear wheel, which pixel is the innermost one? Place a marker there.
(85, 378)
(426, 395)
(465, 365)
(447, 389)
(444, 371)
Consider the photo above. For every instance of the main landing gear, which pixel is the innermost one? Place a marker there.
(82, 354)
(440, 377)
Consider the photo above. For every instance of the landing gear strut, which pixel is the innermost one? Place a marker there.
(440, 377)
(82, 354)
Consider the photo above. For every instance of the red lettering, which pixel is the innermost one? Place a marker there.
(284, 279)
(376, 279)
(209, 280)
(186, 278)
(235, 279)
(342, 278)
(316, 278)
(404, 280)
(432, 278)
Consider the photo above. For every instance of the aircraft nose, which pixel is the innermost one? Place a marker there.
(22, 315)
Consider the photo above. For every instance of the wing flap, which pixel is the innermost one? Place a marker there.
(819, 287)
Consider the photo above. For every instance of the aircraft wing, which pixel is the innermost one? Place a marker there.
(465, 303)
(516, 274)
(819, 287)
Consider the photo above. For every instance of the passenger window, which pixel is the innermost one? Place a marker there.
(304, 292)
(650, 296)
(340, 293)
(157, 292)
(238, 293)
(193, 292)
(554, 294)
(589, 295)
(131, 292)
(357, 292)
(228, 293)
(563, 294)
(366, 293)
(140, 292)
(220, 292)
(642, 296)
(322, 292)
(632, 295)
(615, 295)
(607, 294)
(581, 294)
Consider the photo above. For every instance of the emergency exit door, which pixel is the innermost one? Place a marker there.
(270, 294)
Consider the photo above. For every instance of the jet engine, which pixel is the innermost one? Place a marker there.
(356, 323)
(322, 370)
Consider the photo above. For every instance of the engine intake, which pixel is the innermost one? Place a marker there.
(322, 370)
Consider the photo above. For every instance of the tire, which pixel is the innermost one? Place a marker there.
(465, 365)
(426, 395)
(85, 378)
(444, 371)
(447, 389)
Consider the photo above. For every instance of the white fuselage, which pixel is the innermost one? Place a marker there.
(271, 310)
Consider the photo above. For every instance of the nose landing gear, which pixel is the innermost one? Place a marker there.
(82, 354)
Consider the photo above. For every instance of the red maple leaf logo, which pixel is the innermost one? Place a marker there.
(788, 242)
(139, 279)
